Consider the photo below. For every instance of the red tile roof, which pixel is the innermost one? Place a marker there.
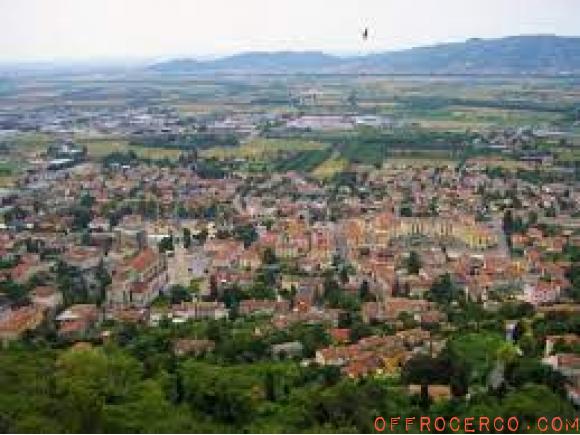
(22, 319)
(341, 335)
(143, 260)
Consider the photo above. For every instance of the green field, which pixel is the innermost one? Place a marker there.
(261, 148)
(8, 174)
(304, 161)
(330, 167)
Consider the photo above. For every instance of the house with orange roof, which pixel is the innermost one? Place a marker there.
(128, 315)
(78, 321)
(20, 320)
(369, 355)
(28, 266)
(340, 335)
(431, 317)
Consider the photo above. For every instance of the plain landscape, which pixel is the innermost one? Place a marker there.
(293, 241)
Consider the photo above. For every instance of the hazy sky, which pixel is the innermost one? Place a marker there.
(89, 29)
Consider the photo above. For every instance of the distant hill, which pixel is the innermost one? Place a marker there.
(530, 54)
(512, 55)
(282, 61)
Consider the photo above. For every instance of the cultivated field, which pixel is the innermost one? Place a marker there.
(261, 148)
(330, 167)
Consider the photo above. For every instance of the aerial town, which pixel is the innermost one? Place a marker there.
(287, 253)
(385, 264)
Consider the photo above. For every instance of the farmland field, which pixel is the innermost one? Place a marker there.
(101, 147)
(262, 149)
(304, 161)
(330, 167)
(156, 153)
(430, 118)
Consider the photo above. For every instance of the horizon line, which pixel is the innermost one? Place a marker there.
(129, 60)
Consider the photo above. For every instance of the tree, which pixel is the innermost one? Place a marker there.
(213, 286)
(33, 246)
(72, 284)
(81, 217)
(532, 217)
(531, 371)
(332, 291)
(269, 256)
(148, 411)
(178, 294)
(515, 310)
(478, 352)
(442, 290)
(246, 233)
(359, 329)
(531, 402)
(508, 226)
(425, 370)
(413, 263)
(86, 238)
(86, 200)
(104, 280)
(26, 375)
(16, 293)
(229, 394)
(260, 290)
(406, 211)
(364, 292)
(87, 379)
(186, 237)
(313, 337)
(166, 244)
(343, 275)
(231, 299)
(181, 211)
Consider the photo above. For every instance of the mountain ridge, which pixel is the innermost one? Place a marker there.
(523, 54)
